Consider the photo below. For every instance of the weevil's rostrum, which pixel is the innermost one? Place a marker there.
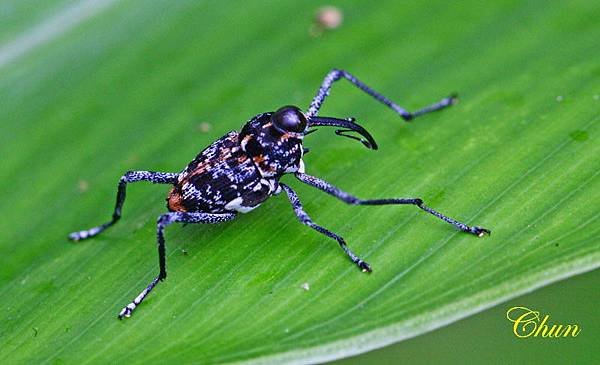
(239, 171)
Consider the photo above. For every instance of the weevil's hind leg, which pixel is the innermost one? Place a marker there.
(305, 219)
(163, 221)
(129, 177)
(335, 75)
(342, 195)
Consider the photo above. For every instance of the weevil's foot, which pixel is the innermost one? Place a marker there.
(364, 266)
(479, 231)
(75, 236)
(78, 236)
(453, 99)
(126, 312)
(448, 101)
(82, 235)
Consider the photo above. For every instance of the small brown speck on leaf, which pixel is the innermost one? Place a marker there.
(326, 18)
(204, 127)
(132, 159)
(83, 186)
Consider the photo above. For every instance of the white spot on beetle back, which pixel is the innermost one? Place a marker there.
(236, 204)
(301, 167)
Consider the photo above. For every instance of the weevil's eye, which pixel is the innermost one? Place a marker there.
(289, 119)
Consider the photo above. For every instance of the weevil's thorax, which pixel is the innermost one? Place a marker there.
(273, 152)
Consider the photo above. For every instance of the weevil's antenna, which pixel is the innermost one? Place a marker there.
(349, 126)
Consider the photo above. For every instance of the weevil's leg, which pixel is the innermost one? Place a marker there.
(129, 177)
(342, 195)
(305, 219)
(162, 222)
(335, 75)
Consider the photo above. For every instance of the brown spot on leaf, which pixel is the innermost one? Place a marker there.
(83, 186)
(204, 127)
(326, 18)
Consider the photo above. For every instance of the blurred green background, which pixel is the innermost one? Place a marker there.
(90, 89)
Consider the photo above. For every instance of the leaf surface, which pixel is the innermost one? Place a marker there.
(130, 87)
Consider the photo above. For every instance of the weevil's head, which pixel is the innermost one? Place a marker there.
(287, 123)
(289, 120)
(274, 139)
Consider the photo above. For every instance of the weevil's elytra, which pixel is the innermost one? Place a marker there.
(242, 169)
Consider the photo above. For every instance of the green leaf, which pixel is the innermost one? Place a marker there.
(128, 86)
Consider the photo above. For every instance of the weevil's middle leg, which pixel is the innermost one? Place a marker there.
(342, 195)
(335, 75)
(305, 219)
(163, 221)
(129, 177)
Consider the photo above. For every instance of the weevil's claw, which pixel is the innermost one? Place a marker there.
(364, 266)
(89, 233)
(480, 232)
(126, 312)
(453, 99)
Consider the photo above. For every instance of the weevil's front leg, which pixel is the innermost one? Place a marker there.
(335, 75)
(163, 221)
(342, 195)
(305, 219)
(129, 177)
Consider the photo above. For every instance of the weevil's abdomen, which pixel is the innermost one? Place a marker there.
(222, 178)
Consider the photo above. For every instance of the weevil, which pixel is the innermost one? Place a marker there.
(242, 169)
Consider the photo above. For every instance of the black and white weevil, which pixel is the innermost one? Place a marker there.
(242, 169)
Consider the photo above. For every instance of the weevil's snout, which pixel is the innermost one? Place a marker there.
(289, 119)
(349, 126)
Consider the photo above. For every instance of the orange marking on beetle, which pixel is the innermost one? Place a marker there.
(175, 201)
(266, 166)
(224, 156)
(200, 169)
(258, 159)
